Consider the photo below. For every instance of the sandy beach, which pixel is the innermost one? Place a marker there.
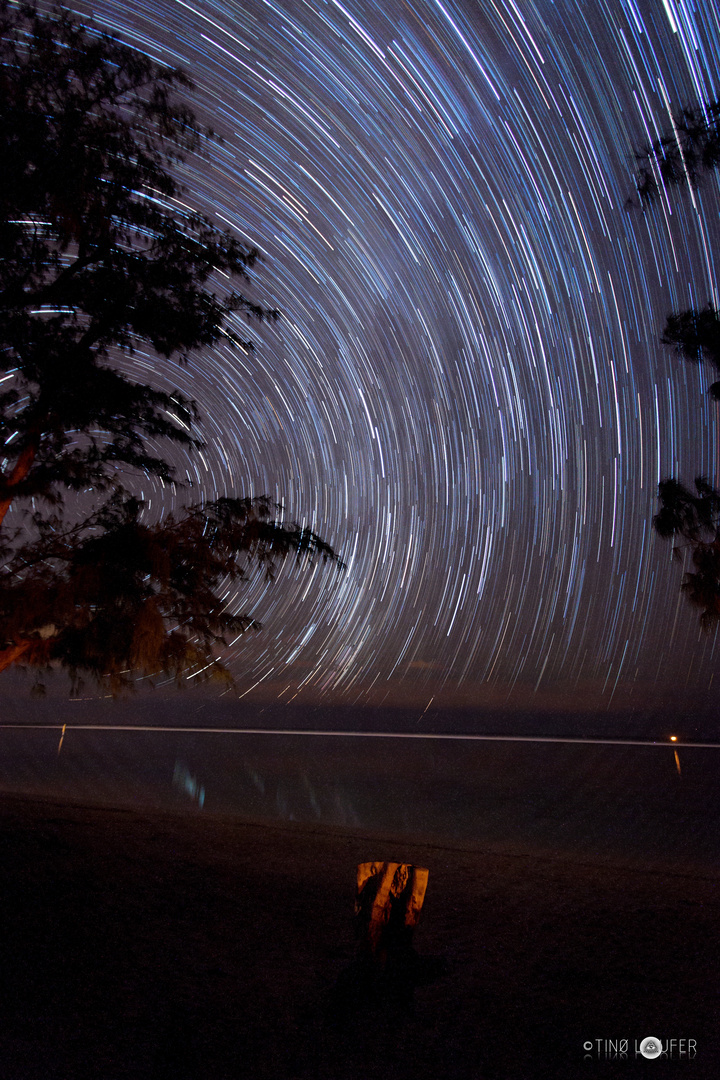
(149, 944)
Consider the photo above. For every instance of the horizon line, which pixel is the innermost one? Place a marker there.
(66, 728)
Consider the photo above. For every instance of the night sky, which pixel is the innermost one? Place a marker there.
(466, 394)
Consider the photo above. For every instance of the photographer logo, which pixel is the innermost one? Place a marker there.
(650, 1047)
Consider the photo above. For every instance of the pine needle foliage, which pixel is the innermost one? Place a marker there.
(113, 598)
(100, 258)
(694, 517)
(683, 155)
(680, 159)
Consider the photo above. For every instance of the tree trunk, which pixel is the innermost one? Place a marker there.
(387, 908)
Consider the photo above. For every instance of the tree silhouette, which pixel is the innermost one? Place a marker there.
(682, 156)
(696, 336)
(696, 519)
(680, 159)
(100, 257)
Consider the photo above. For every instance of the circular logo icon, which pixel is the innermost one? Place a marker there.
(651, 1048)
(587, 1046)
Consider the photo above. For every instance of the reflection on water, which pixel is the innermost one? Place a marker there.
(600, 799)
(187, 783)
(298, 797)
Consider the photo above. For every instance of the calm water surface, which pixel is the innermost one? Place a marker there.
(596, 800)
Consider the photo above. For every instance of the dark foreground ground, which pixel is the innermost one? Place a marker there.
(153, 945)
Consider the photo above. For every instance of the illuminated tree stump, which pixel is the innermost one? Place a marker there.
(384, 975)
(388, 902)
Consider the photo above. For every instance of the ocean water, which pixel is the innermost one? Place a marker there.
(655, 803)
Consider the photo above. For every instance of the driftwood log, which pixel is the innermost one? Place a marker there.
(388, 902)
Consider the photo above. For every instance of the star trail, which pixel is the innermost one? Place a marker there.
(466, 394)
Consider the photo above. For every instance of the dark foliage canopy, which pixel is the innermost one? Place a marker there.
(99, 257)
(696, 336)
(695, 519)
(680, 159)
(682, 156)
(112, 597)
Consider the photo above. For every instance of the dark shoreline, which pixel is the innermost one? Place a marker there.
(158, 944)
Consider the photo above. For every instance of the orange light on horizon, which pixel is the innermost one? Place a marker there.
(673, 738)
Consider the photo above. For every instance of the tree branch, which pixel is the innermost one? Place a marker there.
(20, 470)
(12, 654)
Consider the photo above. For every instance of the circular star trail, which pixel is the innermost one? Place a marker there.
(466, 394)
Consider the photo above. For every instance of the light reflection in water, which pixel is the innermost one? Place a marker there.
(595, 797)
(187, 783)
